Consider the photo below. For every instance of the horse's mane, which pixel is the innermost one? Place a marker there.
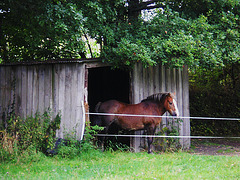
(157, 97)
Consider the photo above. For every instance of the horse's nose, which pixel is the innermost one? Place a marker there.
(175, 113)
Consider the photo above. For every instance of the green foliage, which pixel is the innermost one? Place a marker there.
(89, 136)
(29, 136)
(72, 147)
(205, 35)
(39, 30)
(172, 128)
(215, 93)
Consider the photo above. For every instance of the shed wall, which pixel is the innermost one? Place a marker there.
(148, 81)
(39, 87)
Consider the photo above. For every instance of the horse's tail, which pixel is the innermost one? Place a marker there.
(97, 119)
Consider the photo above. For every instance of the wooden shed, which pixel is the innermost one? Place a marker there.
(66, 85)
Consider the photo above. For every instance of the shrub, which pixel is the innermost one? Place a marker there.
(28, 136)
(71, 147)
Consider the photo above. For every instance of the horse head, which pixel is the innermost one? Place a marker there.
(170, 105)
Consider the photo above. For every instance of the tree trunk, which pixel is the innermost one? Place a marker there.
(133, 11)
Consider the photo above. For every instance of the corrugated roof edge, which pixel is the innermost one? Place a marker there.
(55, 61)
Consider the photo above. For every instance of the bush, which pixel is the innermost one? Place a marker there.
(29, 136)
(70, 147)
(172, 128)
(215, 93)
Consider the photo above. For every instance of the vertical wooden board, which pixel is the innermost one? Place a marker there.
(55, 87)
(19, 90)
(56, 96)
(173, 89)
(80, 98)
(168, 88)
(137, 76)
(8, 87)
(141, 82)
(164, 86)
(67, 98)
(3, 91)
(35, 89)
(29, 110)
(186, 123)
(24, 91)
(168, 82)
(144, 83)
(157, 79)
(179, 98)
(163, 82)
(173, 81)
(73, 94)
(41, 87)
(47, 87)
(13, 85)
(150, 80)
(61, 98)
(134, 82)
(138, 83)
(138, 87)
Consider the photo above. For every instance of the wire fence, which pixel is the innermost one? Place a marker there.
(167, 136)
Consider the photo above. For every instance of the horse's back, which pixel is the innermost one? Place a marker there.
(110, 106)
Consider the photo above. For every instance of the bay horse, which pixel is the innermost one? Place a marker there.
(156, 104)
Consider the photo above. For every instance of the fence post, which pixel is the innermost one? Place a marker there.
(84, 121)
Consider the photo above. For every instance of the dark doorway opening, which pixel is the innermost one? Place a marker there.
(105, 84)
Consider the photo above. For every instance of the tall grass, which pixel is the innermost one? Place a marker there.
(124, 165)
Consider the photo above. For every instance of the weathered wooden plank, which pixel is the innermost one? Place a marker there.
(29, 110)
(19, 90)
(67, 98)
(41, 86)
(163, 79)
(3, 91)
(179, 102)
(136, 78)
(48, 87)
(80, 70)
(186, 122)
(157, 79)
(79, 98)
(35, 89)
(61, 98)
(24, 91)
(151, 78)
(55, 88)
(73, 95)
(138, 87)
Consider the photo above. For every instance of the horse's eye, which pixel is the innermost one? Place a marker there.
(170, 103)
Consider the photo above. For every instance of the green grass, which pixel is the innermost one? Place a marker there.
(124, 165)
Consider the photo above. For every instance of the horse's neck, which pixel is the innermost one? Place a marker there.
(161, 108)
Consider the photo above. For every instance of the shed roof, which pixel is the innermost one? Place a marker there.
(54, 61)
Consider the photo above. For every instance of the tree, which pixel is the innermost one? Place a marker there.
(205, 35)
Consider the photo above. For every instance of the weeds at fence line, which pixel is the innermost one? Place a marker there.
(27, 137)
(73, 147)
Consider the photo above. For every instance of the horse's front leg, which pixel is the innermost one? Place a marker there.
(150, 131)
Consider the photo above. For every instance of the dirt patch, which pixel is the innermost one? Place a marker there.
(229, 147)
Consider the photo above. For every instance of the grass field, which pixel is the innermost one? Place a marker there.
(124, 165)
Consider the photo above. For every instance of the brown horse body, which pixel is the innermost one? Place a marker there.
(156, 104)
